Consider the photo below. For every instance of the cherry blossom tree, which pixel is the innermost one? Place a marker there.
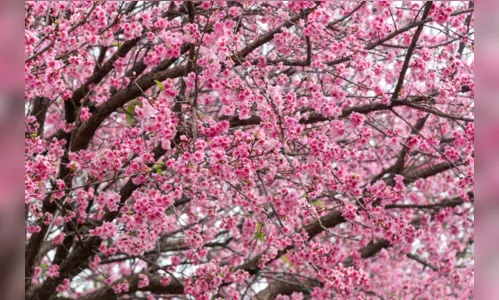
(249, 150)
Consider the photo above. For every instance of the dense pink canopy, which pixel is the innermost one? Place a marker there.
(249, 150)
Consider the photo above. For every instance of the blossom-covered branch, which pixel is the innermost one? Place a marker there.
(249, 149)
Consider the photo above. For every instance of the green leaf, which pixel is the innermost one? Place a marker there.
(136, 102)
(260, 236)
(159, 167)
(258, 226)
(129, 120)
(131, 111)
(160, 85)
(131, 108)
(318, 203)
(286, 260)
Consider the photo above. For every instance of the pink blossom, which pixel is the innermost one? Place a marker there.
(143, 281)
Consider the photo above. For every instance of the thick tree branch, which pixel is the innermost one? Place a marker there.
(39, 111)
(85, 133)
(456, 201)
(410, 51)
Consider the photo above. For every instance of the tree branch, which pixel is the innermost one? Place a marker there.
(410, 51)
